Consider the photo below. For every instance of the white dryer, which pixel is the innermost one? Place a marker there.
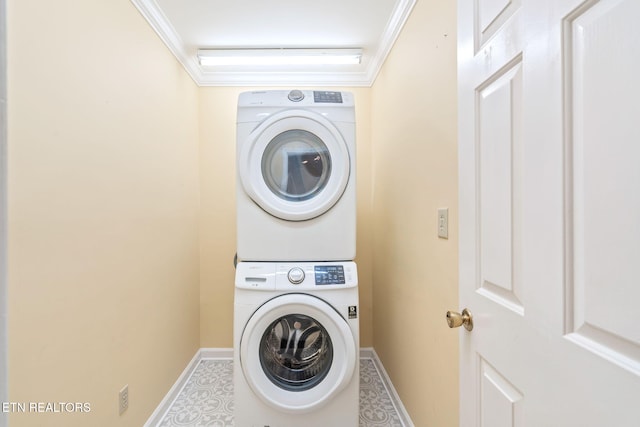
(296, 345)
(296, 194)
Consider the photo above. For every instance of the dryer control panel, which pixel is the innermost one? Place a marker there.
(295, 98)
(270, 276)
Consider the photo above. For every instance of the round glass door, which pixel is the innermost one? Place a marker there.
(295, 165)
(296, 352)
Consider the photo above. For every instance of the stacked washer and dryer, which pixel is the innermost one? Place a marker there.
(296, 331)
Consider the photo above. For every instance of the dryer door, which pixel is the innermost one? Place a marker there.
(295, 165)
(297, 353)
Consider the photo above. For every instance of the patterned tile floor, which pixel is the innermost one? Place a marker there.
(207, 398)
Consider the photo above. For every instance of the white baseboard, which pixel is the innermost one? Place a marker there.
(165, 404)
(227, 353)
(216, 353)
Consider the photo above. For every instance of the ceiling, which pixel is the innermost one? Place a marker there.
(188, 25)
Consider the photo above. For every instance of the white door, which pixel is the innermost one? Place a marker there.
(549, 212)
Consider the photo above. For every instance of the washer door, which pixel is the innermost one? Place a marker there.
(297, 353)
(295, 165)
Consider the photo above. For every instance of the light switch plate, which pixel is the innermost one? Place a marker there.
(443, 223)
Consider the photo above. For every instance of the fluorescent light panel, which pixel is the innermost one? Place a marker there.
(245, 57)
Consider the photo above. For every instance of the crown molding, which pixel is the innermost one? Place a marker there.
(187, 56)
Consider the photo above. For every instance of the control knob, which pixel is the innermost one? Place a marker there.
(296, 95)
(296, 275)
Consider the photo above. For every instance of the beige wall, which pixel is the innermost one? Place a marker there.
(103, 211)
(218, 237)
(415, 173)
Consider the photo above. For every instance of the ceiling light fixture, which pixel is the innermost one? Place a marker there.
(269, 57)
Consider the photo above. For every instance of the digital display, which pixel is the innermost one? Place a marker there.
(328, 97)
(329, 275)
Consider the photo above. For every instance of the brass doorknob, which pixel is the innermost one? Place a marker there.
(455, 320)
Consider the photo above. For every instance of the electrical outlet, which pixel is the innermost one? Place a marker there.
(123, 399)
(443, 223)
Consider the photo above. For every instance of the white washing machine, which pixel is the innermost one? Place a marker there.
(296, 345)
(296, 194)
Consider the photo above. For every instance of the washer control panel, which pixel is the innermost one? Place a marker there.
(316, 276)
(296, 275)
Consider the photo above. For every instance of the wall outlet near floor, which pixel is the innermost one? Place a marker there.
(443, 223)
(123, 399)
